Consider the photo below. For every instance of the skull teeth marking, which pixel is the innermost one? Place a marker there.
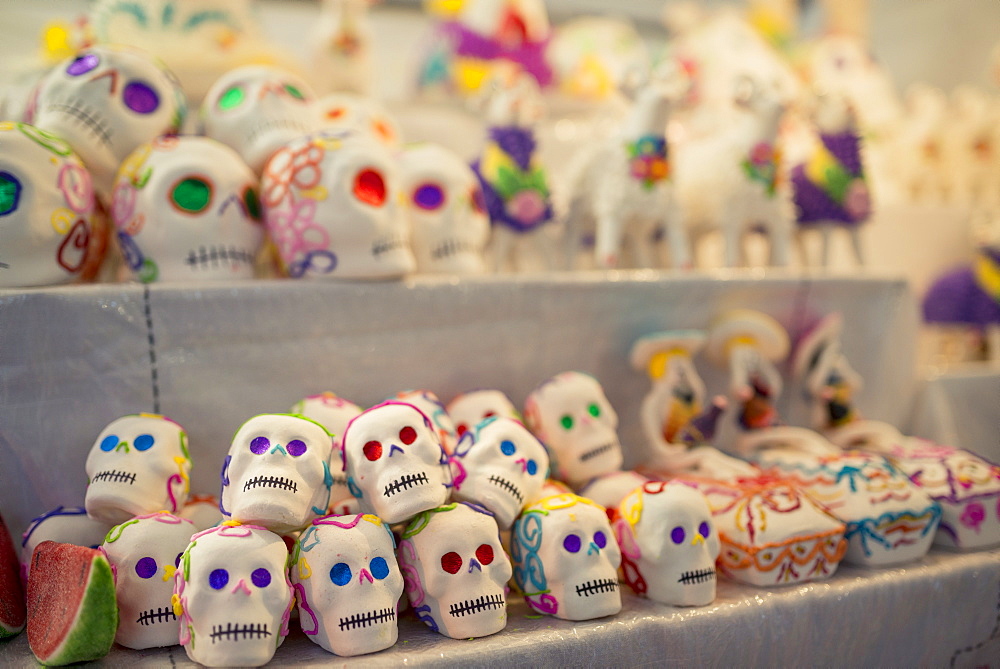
(217, 255)
(697, 576)
(472, 606)
(508, 486)
(84, 116)
(453, 247)
(114, 476)
(275, 124)
(232, 632)
(271, 482)
(368, 619)
(597, 585)
(387, 244)
(405, 482)
(164, 614)
(593, 453)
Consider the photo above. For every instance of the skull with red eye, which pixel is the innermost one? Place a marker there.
(433, 408)
(105, 102)
(471, 408)
(456, 570)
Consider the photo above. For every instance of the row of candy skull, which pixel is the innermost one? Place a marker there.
(455, 570)
(144, 553)
(277, 472)
(333, 413)
(186, 208)
(139, 464)
(233, 596)
(65, 525)
(348, 584)
(48, 230)
(566, 559)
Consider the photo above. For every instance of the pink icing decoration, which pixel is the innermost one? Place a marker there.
(458, 472)
(288, 609)
(973, 515)
(74, 182)
(171, 482)
(543, 603)
(304, 606)
(414, 589)
(230, 531)
(336, 522)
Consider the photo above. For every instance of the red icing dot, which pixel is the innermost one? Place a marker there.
(335, 113)
(369, 187)
(451, 562)
(373, 450)
(407, 435)
(484, 554)
(461, 428)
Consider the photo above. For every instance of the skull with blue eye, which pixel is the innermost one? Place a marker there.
(139, 464)
(348, 584)
(500, 465)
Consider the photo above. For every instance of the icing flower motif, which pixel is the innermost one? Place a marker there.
(294, 230)
(286, 168)
(524, 193)
(762, 165)
(973, 516)
(648, 162)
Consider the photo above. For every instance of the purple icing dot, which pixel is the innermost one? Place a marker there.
(146, 567)
(218, 579)
(677, 534)
(572, 543)
(703, 529)
(140, 97)
(83, 64)
(259, 445)
(296, 447)
(600, 540)
(428, 196)
(261, 577)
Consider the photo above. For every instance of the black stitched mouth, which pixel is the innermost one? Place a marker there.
(508, 486)
(216, 256)
(473, 606)
(271, 482)
(368, 619)
(597, 451)
(406, 482)
(161, 615)
(277, 124)
(114, 476)
(598, 585)
(697, 576)
(453, 247)
(86, 117)
(387, 244)
(340, 479)
(234, 632)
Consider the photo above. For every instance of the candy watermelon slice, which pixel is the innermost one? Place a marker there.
(11, 593)
(72, 613)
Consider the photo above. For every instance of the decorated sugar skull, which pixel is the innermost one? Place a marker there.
(566, 559)
(203, 511)
(333, 413)
(47, 226)
(448, 222)
(471, 408)
(332, 207)
(105, 102)
(433, 408)
(186, 208)
(357, 113)
(500, 465)
(139, 464)
(669, 544)
(348, 584)
(233, 596)
(144, 554)
(571, 416)
(277, 473)
(394, 462)
(456, 570)
(256, 109)
(64, 524)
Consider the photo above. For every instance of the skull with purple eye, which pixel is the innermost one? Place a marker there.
(277, 473)
(333, 413)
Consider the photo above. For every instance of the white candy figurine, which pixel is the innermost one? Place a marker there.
(332, 207)
(449, 227)
(566, 559)
(105, 102)
(277, 473)
(233, 596)
(395, 463)
(456, 571)
(669, 544)
(333, 413)
(500, 465)
(471, 408)
(341, 50)
(349, 112)
(256, 109)
(348, 584)
(144, 554)
(66, 525)
(139, 464)
(46, 210)
(434, 408)
(203, 511)
(187, 209)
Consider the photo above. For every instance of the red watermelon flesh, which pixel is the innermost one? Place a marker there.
(12, 611)
(72, 612)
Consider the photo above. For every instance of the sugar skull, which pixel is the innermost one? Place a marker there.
(333, 413)
(566, 559)
(66, 525)
(573, 418)
(47, 226)
(348, 584)
(357, 113)
(471, 408)
(105, 101)
(449, 226)
(203, 511)
(669, 544)
(456, 571)
(144, 553)
(500, 465)
(277, 473)
(256, 109)
(233, 596)
(394, 462)
(139, 464)
(610, 489)
(434, 409)
(331, 204)
(186, 208)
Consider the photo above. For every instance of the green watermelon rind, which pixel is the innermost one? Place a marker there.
(7, 632)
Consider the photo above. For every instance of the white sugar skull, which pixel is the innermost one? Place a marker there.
(456, 571)
(256, 109)
(333, 413)
(357, 113)
(500, 465)
(47, 226)
(203, 511)
(566, 559)
(144, 554)
(139, 464)
(332, 207)
(233, 596)
(573, 418)
(277, 473)
(669, 544)
(66, 525)
(186, 208)
(348, 584)
(394, 462)
(433, 408)
(471, 408)
(105, 102)
(449, 227)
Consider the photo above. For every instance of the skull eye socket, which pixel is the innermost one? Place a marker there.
(704, 529)
(10, 193)
(594, 410)
(369, 187)
(259, 445)
(451, 562)
(340, 573)
(140, 97)
(83, 64)
(231, 98)
(484, 554)
(567, 422)
(379, 568)
(677, 534)
(144, 442)
(600, 539)
(296, 447)
(109, 443)
(260, 577)
(429, 197)
(252, 202)
(507, 447)
(572, 543)
(478, 202)
(532, 467)
(218, 579)
(373, 450)
(407, 435)
(145, 567)
(191, 195)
